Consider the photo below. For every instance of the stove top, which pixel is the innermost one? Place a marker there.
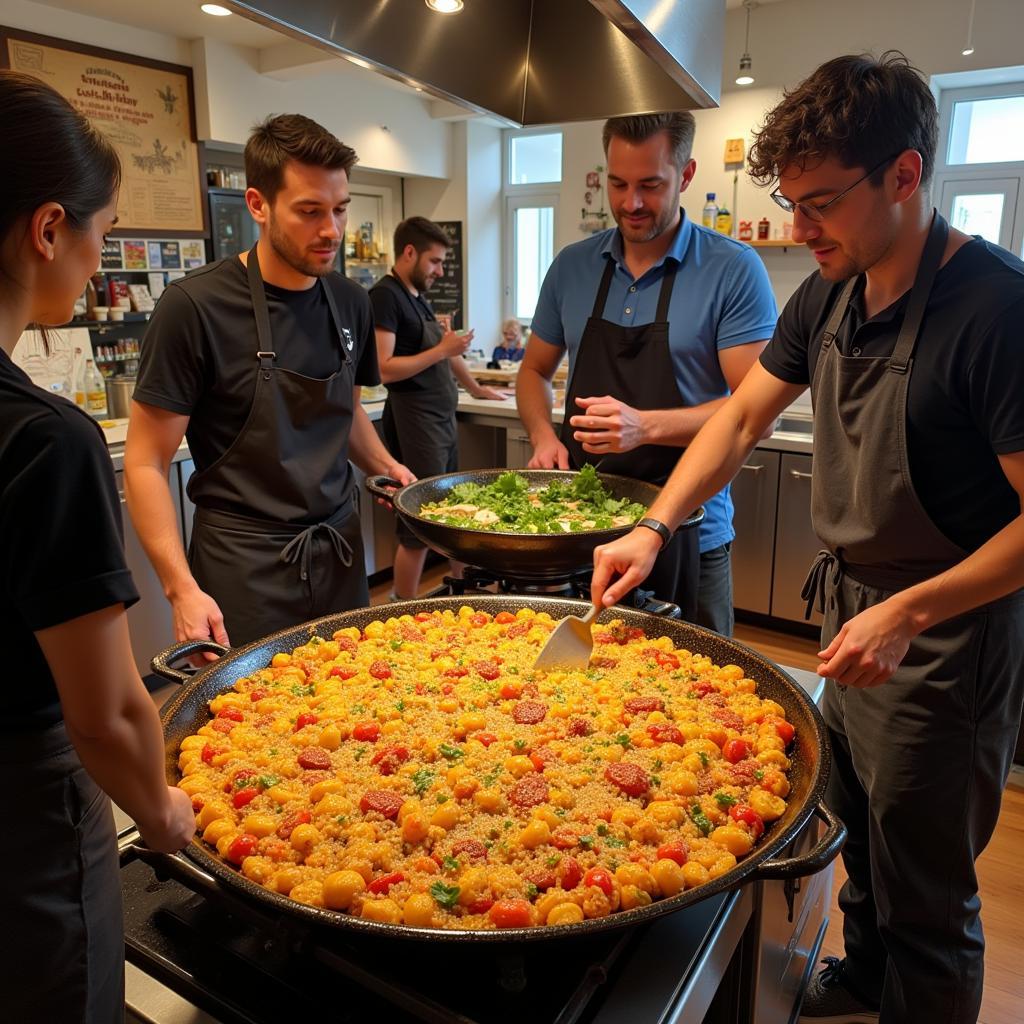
(244, 965)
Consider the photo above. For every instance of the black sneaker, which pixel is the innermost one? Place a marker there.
(828, 1001)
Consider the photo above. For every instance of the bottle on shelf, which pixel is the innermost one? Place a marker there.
(709, 216)
(723, 222)
(95, 391)
(78, 376)
(763, 229)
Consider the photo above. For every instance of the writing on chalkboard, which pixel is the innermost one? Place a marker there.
(446, 294)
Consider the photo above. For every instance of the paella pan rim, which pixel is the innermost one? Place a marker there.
(777, 837)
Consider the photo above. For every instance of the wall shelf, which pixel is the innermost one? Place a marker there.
(775, 243)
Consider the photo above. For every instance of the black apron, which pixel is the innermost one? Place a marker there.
(920, 761)
(299, 555)
(634, 365)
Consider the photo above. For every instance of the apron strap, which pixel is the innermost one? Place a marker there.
(824, 566)
(300, 548)
(603, 288)
(835, 319)
(668, 281)
(934, 247)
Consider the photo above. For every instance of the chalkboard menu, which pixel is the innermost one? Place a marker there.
(446, 294)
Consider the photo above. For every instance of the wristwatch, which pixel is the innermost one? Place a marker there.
(659, 528)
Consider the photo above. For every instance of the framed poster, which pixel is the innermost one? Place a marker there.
(446, 296)
(146, 109)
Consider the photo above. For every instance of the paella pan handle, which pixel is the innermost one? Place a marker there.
(820, 856)
(383, 487)
(161, 663)
(172, 865)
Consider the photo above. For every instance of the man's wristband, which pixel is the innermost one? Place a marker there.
(659, 528)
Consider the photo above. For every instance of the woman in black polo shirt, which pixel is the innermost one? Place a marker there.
(75, 719)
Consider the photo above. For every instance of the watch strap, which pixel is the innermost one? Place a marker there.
(659, 528)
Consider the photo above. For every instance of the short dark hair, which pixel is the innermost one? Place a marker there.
(291, 137)
(419, 233)
(857, 109)
(679, 125)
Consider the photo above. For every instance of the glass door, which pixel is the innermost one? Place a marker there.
(530, 237)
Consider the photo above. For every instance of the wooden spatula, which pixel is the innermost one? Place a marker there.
(570, 644)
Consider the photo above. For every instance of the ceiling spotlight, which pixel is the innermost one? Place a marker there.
(445, 6)
(215, 9)
(969, 48)
(745, 77)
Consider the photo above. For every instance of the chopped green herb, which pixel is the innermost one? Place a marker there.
(602, 829)
(624, 740)
(396, 645)
(519, 744)
(341, 819)
(359, 709)
(315, 641)
(655, 780)
(703, 758)
(442, 798)
(450, 752)
(273, 751)
(400, 706)
(360, 752)
(421, 780)
(266, 781)
(615, 842)
(512, 670)
(657, 764)
(725, 800)
(552, 861)
(759, 774)
(531, 891)
(450, 864)
(587, 842)
(446, 895)
(506, 824)
(700, 819)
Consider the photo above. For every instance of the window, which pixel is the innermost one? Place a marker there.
(979, 171)
(533, 175)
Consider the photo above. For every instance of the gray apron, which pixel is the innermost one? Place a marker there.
(634, 364)
(920, 761)
(299, 554)
(419, 424)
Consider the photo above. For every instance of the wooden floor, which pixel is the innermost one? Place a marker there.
(999, 868)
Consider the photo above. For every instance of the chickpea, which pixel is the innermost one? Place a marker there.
(724, 864)
(304, 838)
(385, 910)
(341, 888)
(414, 828)
(309, 892)
(418, 911)
(766, 804)
(519, 765)
(694, 874)
(447, 815)
(260, 824)
(638, 877)
(565, 913)
(212, 811)
(286, 880)
(665, 812)
(669, 876)
(257, 869)
(489, 800)
(735, 840)
(536, 833)
(633, 897)
(217, 828)
(330, 737)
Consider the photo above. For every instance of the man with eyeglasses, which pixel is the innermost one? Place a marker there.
(909, 337)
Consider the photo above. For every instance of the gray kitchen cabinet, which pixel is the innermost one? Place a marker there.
(754, 494)
(518, 450)
(480, 447)
(149, 619)
(795, 541)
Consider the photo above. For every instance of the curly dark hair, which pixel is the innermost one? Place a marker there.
(857, 109)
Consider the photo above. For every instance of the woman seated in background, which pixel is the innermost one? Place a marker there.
(76, 722)
(511, 346)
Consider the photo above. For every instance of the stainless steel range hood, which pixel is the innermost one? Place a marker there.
(527, 62)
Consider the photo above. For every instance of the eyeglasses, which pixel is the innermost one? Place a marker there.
(817, 213)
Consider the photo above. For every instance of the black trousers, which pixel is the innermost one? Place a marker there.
(919, 766)
(63, 936)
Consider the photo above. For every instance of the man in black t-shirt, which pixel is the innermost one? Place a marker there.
(420, 362)
(259, 361)
(909, 338)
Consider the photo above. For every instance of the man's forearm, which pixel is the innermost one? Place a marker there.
(366, 449)
(708, 464)
(403, 367)
(676, 428)
(533, 403)
(462, 374)
(156, 522)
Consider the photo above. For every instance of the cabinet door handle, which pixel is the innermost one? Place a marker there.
(753, 469)
(797, 475)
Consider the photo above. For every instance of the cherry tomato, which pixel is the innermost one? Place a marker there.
(735, 750)
(384, 882)
(479, 619)
(543, 879)
(231, 713)
(447, 689)
(785, 731)
(510, 690)
(423, 616)
(471, 848)
(284, 830)
(603, 662)
(529, 712)
(208, 753)
(390, 759)
(314, 758)
(367, 732)
(629, 777)
(223, 725)
(486, 738)
(457, 672)
(741, 812)
(662, 733)
(601, 878)
(487, 669)
(569, 873)
(666, 660)
(699, 690)
(579, 727)
(383, 801)
(245, 796)
(675, 850)
(306, 718)
(257, 695)
(565, 837)
(380, 669)
(504, 618)
(513, 913)
(481, 905)
(519, 629)
(243, 846)
(346, 643)
(343, 672)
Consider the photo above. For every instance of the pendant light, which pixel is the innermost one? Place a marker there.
(445, 6)
(745, 77)
(969, 48)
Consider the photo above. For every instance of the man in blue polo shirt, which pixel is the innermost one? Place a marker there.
(661, 319)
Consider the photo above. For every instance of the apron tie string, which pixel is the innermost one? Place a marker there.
(300, 548)
(825, 564)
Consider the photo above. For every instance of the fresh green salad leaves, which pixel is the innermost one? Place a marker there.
(508, 505)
